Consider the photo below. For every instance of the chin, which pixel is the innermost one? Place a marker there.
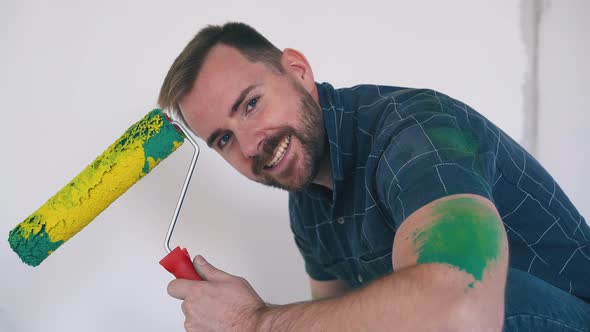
(298, 183)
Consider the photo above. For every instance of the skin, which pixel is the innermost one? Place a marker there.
(442, 282)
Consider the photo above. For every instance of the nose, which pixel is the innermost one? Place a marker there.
(250, 141)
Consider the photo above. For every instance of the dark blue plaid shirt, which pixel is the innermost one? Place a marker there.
(392, 151)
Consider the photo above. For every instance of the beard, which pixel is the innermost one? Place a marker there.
(313, 139)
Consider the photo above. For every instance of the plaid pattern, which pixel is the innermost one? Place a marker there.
(393, 150)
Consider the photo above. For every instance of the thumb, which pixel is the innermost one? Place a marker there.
(206, 270)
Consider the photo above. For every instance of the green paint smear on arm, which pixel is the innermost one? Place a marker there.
(466, 234)
(34, 249)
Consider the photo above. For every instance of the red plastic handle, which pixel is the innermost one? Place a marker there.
(178, 262)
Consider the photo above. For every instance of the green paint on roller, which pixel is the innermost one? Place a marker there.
(465, 235)
(155, 148)
(35, 249)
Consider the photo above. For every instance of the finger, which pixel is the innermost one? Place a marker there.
(208, 271)
(181, 288)
(186, 306)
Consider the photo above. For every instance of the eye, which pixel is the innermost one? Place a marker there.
(224, 140)
(251, 104)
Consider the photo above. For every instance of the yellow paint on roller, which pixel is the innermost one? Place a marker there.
(126, 161)
(77, 204)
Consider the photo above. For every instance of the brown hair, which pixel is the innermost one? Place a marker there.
(183, 73)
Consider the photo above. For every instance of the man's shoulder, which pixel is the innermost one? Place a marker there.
(418, 128)
(383, 111)
(365, 96)
(376, 107)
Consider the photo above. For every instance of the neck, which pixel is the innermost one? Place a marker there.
(324, 176)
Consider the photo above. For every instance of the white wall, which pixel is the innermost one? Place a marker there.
(75, 75)
(564, 83)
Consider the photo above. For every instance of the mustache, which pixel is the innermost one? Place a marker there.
(269, 145)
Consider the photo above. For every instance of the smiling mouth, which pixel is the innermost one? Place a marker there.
(279, 152)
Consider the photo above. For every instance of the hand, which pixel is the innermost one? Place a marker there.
(221, 303)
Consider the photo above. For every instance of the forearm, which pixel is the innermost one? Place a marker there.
(424, 297)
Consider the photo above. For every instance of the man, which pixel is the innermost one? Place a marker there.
(411, 210)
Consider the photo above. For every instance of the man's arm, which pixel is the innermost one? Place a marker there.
(450, 258)
(327, 289)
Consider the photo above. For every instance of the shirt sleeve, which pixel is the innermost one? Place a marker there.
(431, 155)
(313, 267)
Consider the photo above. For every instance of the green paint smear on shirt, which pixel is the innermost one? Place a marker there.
(34, 249)
(466, 235)
(454, 138)
(456, 145)
(162, 144)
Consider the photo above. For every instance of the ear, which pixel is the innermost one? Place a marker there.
(295, 64)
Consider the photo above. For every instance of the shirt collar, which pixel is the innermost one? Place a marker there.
(332, 107)
(332, 113)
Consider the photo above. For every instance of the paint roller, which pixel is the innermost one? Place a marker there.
(141, 148)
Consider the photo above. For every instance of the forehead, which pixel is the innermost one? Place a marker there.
(223, 75)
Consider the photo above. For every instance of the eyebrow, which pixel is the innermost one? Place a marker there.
(233, 109)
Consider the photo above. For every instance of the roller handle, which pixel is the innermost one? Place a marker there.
(178, 262)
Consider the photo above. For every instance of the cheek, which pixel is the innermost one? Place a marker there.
(283, 110)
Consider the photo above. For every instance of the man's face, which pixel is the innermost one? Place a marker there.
(264, 123)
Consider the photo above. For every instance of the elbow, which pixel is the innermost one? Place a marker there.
(468, 316)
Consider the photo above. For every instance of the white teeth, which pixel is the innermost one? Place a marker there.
(279, 152)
